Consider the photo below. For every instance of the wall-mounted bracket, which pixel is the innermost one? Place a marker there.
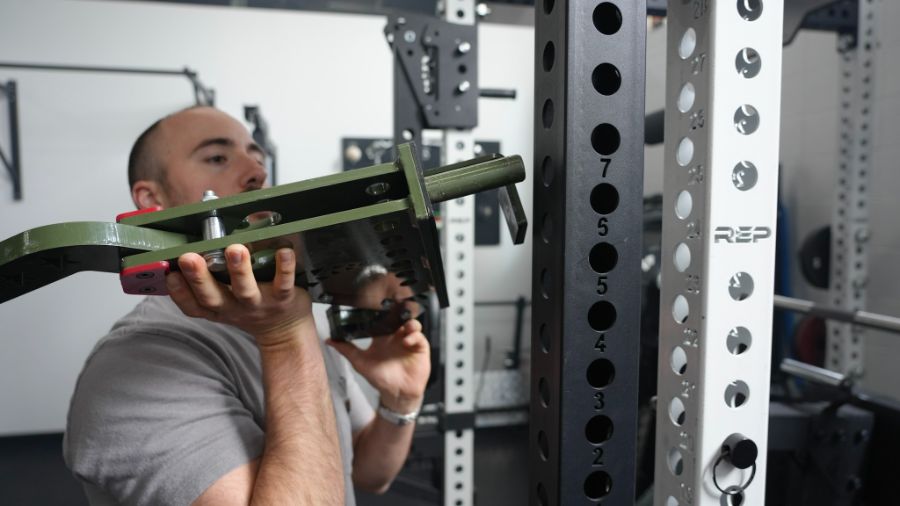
(12, 163)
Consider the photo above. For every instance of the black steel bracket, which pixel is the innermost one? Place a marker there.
(261, 136)
(12, 163)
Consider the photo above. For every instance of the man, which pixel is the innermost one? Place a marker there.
(224, 394)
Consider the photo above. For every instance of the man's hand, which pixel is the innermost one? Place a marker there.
(271, 312)
(397, 365)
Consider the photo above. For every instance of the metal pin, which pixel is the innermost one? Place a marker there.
(213, 228)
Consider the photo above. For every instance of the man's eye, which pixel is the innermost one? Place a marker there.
(217, 159)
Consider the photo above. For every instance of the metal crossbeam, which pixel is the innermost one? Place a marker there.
(588, 186)
(720, 189)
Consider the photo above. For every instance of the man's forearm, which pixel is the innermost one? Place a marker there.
(301, 463)
(379, 453)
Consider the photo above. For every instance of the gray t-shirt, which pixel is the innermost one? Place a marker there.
(167, 404)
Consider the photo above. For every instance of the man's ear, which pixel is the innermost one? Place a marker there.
(148, 194)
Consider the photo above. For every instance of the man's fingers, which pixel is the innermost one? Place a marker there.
(285, 265)
(414, 340)
(243, 283)
(207, 291)
(413, 326)
(183, 297)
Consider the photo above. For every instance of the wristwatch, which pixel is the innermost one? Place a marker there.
(399, 419)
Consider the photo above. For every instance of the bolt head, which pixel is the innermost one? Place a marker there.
(215, 262)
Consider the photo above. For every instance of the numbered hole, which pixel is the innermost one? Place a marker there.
(684, 203)
(601, 373)
(605, 139)
(543, 445)
(675, 461)
(545, 283)
(607, 18)
(547, 171)
(606, 79)
(604, 198)
(546, 228)
(599, 429)
(750, 10)
(682, 257)
(603, 257)
(549, 56)
(671, 501)
(685, 152)
(680, 309)
(544, 390)
(602, 316)
(740, 286)
(597, 485)
(738, 340)
(687, 44)
(678, 360)
(542, 497)
(686, 97)
(677, 412)
(746, 119)
(737, 393)
(748, 62)
(544, 338)
(547, 114)
(744, 175)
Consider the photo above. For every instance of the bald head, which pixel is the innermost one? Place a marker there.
(185, 153)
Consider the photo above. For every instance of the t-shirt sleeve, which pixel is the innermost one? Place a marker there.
(154, 420)
(361, 412)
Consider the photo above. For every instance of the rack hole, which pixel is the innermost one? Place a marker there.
(676, 411)
(680, 309)
(543, 500)
(548, 6)
(607, 18)
(740, 286)
(605, 139)
(682, 257)
(678, 361)
(747, 62)
(606, 79)
(545, 283)
(685, 152)
(546, 228)
(602, 316)
(603, 257)
(687, 44)
(686, 97)
(543, 445)
(683, 204)
(549, 56)
(601, 373)
(675, 461)
(604, 198)
(547, 171)
(544, 391)
(544, 338)
(671, 501)
(597, 485)
(746, 119)
(736, 394)
(599, 429)
(750, 10)
(738, 340)
(744, 175)
(547, 114)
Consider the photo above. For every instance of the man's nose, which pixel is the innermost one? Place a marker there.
(253, 176)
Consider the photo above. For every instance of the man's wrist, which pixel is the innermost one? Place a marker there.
(397, 418)
(401, 404)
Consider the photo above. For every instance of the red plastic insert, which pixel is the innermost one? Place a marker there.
(129, 214)
(147, 279)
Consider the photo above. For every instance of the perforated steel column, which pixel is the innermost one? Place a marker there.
(850, 219)
(589, 147)
(718, 248)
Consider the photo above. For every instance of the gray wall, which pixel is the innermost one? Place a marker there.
(318, 77)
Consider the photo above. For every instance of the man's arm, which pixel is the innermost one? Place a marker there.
(398, 367)
(301, 462)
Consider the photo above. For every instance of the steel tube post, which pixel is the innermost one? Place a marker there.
(458, 319)
(588, 191)
(850, 219)
(719, 207)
